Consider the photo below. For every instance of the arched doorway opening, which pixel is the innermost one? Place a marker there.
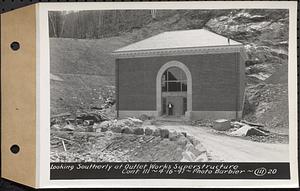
(174, 90)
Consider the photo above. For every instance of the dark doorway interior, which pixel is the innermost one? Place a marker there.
(174, 104)
(164, 106)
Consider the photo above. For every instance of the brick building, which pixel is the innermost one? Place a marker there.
(193, 74)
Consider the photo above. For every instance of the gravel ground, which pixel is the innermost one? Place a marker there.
(235, 149)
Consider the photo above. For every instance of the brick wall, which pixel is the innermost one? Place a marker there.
(242, 81)
(215, 83)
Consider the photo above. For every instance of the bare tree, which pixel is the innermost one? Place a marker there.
(57, 22)
(98, 23)
(153, 13)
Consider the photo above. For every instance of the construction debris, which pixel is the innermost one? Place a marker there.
(245, 128)
(252, 124)
(234, 128)
(83, 121)
(241, 132)
(236, 124)
(135, 120)
(255, 131)
(122, 147)
(68, 127)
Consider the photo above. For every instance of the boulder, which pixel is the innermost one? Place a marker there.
(174, 136)
(184, 134)
(182, 141)
(191, 148)
(156, 132)
(148, 131)
(202, 157)
(104, 129)
(200, 148)
(128, 122)
(116, 129)
(164, 133)
(105, 124)
(187, 155)
(193, 140)
(127, 130)
(120, 123)
(138, 131)
(221, 125)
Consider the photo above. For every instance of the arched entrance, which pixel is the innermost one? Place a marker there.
(174, 90)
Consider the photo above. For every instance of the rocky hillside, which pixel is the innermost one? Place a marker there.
(265, 35)
(263, 32)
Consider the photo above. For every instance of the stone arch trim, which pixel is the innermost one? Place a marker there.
(189, 85)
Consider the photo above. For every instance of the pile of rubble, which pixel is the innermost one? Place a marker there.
(239, 128)
(193, 150)
(136, 142)
(83, 121)
(67, 146)
(248, 130)
(117, 147)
